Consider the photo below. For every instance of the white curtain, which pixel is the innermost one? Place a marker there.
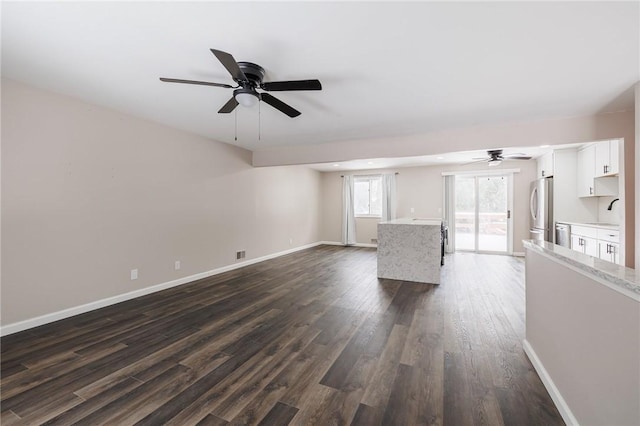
(348, 214)
(449, 211)
(388, 197)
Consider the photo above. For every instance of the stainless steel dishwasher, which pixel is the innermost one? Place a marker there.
(563, 234)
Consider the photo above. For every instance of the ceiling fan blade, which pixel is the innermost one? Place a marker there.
(279, 86)
(230, 64)
(202, 83)
(229, 106)
(279, 105)
(517, 157)
(481, 158)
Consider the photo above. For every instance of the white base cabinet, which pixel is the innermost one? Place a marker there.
(586, 245)
(609, 251)
(603, 243)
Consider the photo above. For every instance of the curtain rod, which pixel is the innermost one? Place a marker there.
(396, 173)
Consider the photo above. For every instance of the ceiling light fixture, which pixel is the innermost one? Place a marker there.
(494, 163)
(246, 97)
(336, 165)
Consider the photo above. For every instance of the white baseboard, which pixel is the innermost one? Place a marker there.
(91, 306)
(331, 243)
(338, 243)
(518, 253)
(557, 398)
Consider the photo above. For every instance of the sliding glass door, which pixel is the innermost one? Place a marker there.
(483, 213)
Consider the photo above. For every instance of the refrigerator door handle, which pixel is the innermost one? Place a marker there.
(534, 212)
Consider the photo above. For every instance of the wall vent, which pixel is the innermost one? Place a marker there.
(240, 255)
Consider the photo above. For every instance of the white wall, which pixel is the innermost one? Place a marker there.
(89, 194)
(421, 188)
(533, 133)
(586, 336)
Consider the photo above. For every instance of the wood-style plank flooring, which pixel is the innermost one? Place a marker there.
(309, 338)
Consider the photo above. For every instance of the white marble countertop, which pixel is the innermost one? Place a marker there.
(604, 225)
(622, 279)
(413, 221)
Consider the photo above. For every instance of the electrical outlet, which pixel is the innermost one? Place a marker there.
(134, 274)
(177, 265)
(290, 241)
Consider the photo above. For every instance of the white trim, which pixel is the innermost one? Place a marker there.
(557, 398)
(338, 243)
(518, 253)
(77, 310)
(331, 243)
(481, 172)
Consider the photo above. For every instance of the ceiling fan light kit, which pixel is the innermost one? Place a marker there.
(245, 97)
(249, 78)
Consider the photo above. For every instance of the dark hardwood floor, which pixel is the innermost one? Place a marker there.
(309, 338)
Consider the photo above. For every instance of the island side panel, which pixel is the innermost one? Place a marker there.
(586, 337)
(409, 252)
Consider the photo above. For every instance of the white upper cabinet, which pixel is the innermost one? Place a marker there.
(545, 165)
(586, 168)
(606, 161)
(590, 184)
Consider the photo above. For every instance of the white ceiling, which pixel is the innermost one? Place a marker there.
(387, 69)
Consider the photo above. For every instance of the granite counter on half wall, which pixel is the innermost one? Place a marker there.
(409, 250)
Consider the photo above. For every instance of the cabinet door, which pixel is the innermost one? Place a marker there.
(547, 165)
(540, 167)
(609, 251)
(590, 246)
(603, 251)
(601, 158)
(576, 243)
(615, 253)
(614, 161)
(586, 166)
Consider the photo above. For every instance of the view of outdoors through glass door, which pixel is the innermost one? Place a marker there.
(481, 206)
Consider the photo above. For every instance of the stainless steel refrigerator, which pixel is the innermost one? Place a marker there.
(541, 209)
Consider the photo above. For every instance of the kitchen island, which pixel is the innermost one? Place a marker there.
(410, 250)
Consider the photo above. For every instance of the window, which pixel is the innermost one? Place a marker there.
(367, 196)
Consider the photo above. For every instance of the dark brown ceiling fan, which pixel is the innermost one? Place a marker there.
(248, 77)
(495, 157)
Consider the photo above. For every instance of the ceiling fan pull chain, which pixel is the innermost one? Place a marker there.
(259, 120)
(236, 125)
